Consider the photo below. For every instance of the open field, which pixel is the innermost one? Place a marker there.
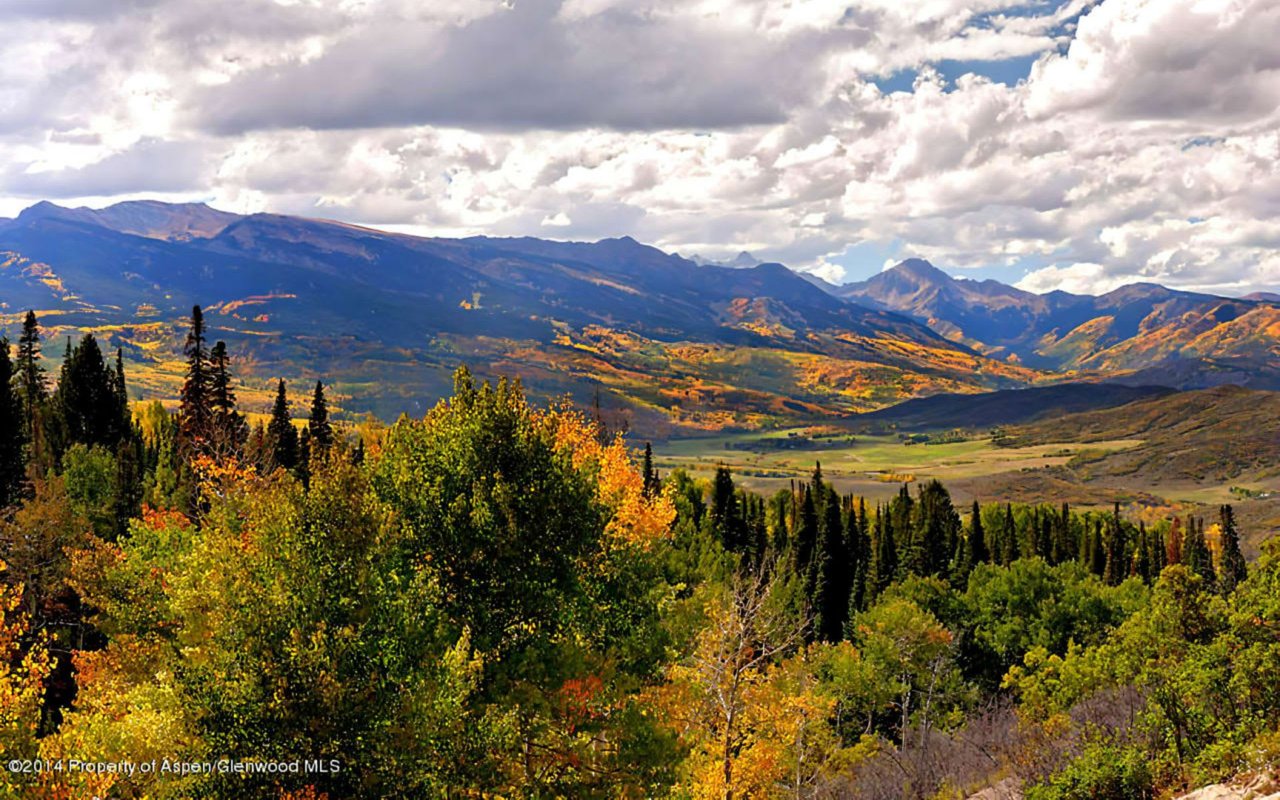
(869, 465)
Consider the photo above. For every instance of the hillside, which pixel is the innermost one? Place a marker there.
(1210, 436)
(386, 317)
(1007, 406)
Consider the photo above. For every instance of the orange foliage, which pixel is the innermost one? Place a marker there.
(637, 519)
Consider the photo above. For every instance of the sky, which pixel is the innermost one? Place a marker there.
(1056, 144)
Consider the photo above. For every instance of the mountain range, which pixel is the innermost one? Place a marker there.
(663, 342)
(1143, 332)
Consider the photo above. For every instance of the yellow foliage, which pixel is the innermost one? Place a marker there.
(637, 519)
(22, 677)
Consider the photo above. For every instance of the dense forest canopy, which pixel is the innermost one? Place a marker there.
(498, 600)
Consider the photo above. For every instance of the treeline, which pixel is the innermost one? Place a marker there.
(843, 554)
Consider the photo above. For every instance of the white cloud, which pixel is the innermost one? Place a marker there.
(1147, 150)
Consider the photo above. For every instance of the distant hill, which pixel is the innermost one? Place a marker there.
(1007, 406)
(1215, 435)
(1191, 337)
(386, 317)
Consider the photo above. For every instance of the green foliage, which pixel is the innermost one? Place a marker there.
(1030, 604)
(1101, 772)
(501, 513)
(90, 475)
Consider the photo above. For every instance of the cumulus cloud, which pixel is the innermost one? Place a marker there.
(1142, 145)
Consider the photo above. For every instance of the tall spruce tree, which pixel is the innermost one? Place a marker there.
(884, 559)
(12, 432)
(806, 534)
(1231, 565)
(831, 579)
(195, 409)
(318, 425)
(724, 518)
(228, 429)
(32, 389)
(87, 401)
(1196, 555)
(978, 553)
(650, 486)
(282, 437)
(1008, 537)
(858, 546)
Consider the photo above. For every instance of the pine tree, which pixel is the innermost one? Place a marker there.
(32, 390)
(884, 560)
(1195, 553)
(1173, 544)
(1231, 565)
(1097, 551)
(1008, 537)
(303, 470)
(195, 410)
(831, 581)
(649, 474)
(281, 435)
(12, 433)
(935, 530)
(87, 401)
(724, 519)
(228, 429)
(1142, 561)
(978, 553)
(858, 546)
(318, 426)
(806, 536)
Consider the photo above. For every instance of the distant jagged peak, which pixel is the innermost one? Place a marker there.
(743, 260)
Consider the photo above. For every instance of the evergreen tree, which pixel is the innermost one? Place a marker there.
(1097, 551)
(650, 475)
(858, 546)
(1142, 561)
(195, 409)
(1195, 553)
(806, 535)
(724, 519)
(937, 529)
(303, 470)
(32, 390)
(87, 401)
(884, 559)
(832, 581)
(1231, 564)
(318, 426)
(12, 433)
(978, 553)
(1008, 537)
(228, 429)
(282, 437)
(1173, 544)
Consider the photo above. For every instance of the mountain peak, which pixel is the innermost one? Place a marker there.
(919, 268)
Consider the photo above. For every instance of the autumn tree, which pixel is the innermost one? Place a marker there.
(715, 688)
